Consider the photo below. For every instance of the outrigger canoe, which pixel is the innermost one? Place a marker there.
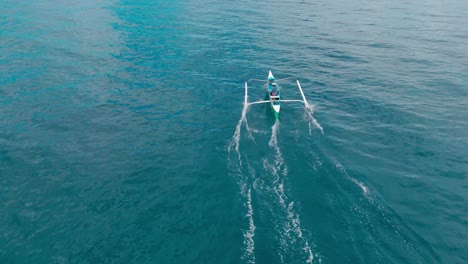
(274, 94)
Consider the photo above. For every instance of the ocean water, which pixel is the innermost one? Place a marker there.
(124, 137)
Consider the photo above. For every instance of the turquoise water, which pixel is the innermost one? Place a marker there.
(123, 137)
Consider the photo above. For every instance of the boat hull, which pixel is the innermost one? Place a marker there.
(275, 100)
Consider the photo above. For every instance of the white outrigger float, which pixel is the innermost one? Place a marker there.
(274, 95)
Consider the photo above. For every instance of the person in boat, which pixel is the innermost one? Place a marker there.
(274, 91)
(271, 81)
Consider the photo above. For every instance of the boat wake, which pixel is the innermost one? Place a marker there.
(293, 242)
(271, 225)
(234, 144)
(364, 188)
(243, 179)
(249, 233)
(371, 211)
(268, 186)
(237, 171)
(309, 116)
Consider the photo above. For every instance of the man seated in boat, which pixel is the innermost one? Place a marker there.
(274, 91)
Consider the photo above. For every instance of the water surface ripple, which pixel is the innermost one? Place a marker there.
(118, 139)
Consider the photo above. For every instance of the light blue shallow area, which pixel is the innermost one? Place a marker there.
(122, 138)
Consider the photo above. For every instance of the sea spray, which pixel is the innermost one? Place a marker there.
(236, 137)
(309, 116)
(237, 133)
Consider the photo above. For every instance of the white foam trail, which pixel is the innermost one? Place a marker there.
(246, 193)
(236, 137)
(363, 187)
(256, 131)
(309, 115)
(236, 167)
(274, 132)
(291, 232)
(249, 234)
(248, 128)
(296, 222)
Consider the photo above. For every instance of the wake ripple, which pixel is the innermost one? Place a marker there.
(309, 116)
(391, 225)
(249, 234)
(291, 232)
(291, 235)
(236, 137)
(236, 170)
(363, 187)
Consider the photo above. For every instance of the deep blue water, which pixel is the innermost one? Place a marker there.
(123, 137)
